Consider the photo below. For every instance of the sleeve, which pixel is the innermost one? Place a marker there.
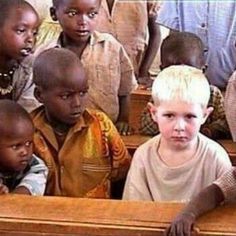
(168, 15)
(35, 179)
(230, 107)
(147, 124)
(118, 152)
(227, 184)
(136, 187)
(128, 81)
(24, 86)
(218, 124)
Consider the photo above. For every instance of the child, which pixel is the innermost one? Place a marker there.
(19, 23)
(133, 24)
(107, 66)
(187, 48)
(20, 171)
(81, 147)
(179, 162)
(222, 190)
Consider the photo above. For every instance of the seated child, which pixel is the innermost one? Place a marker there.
(19, 23)
(179, 162)
(221, 191)
(187, 48)
(81, 147)
(20, 171)
(107, 66)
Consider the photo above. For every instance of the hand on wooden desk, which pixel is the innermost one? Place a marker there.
(3, 188)
(124, 128)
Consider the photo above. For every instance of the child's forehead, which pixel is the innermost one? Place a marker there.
(22, 13)
(180, 105)
(78, 3)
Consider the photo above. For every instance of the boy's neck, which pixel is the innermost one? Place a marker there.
(173, 156)
(75, 47)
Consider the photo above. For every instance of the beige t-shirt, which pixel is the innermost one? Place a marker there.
(151, 179)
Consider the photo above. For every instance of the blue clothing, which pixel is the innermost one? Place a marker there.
(33, 177)
(215, 23)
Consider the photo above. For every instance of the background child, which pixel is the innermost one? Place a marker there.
(179, 162)
(81, 147)
(19, 23)
(133, 24)
(222, 190)
(187, 48)
(107, 66)
(20, 170)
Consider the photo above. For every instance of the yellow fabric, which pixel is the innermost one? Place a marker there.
(92, 155)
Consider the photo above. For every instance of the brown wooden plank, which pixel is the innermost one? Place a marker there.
(37, 216)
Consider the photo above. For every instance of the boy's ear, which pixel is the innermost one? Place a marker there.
(153, 111)
(207, 112)
(38, 94)
(53, 13)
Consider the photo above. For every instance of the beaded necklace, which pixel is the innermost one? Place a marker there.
(6, 82)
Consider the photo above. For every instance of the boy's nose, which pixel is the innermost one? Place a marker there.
(179, 125)
(24, 151)
(76, 101)
(81, 19)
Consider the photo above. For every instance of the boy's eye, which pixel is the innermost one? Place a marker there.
(92, 14)
(82, 93)
(168, 115)
(64, 96)
(28, 143)
(15, 146)
(20, 31)
(71, 13)
(190, 116)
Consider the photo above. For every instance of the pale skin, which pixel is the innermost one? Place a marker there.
(179, 123)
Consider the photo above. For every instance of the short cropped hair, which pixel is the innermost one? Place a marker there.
(49, 66)
(12, 112)
(181, 83)
(179, 46)
(7, 5)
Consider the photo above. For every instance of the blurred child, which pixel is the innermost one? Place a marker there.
(81, 147)
(19, 23)
(187, 48)
(179, 162)
(107, 66)
(133, 24)
(223, 190)
(20, 171)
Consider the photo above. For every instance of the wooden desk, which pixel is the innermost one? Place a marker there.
(138, 101)
(54, 216)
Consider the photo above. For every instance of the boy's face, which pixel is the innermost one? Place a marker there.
(179, 122)
(77, 18)
(65, 103)
(18, 33)
(16, 146)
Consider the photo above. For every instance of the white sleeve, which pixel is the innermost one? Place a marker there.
(35, 179)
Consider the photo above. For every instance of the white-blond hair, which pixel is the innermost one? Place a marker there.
(181, 83)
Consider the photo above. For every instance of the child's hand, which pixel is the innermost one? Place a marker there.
(3, 188)
(124, 128)
(181, 225)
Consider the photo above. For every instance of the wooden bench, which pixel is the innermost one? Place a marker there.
(138, 101)
(54, 216)
(132, 142)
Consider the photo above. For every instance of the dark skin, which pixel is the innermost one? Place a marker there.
(15, 150)
(80, 15)
(206, 200)
(18, 36)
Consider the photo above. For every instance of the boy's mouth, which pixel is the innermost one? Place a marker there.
(82, 32)
(26, 51)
